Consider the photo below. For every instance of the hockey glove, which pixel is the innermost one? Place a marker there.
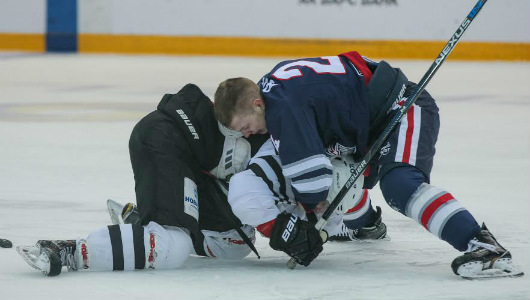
(299, 239)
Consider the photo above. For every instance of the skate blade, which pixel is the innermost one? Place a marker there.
(343, 239)
(385, 238)
(502, 268)
(492, 274)
(24, 252)
(38, 262)
(115, 209)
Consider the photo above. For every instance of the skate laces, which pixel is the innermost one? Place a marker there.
(344, 231)
(475, 244)
(68, 258)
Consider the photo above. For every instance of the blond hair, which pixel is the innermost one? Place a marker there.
(233, 96)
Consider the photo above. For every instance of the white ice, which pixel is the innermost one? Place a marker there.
(65, 122)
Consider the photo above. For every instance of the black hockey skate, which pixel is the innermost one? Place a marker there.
(51, 256)
(130, 215)
(485, 258)
(122, 214)
(374, 231)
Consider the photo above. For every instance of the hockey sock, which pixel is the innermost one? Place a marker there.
(406, 191)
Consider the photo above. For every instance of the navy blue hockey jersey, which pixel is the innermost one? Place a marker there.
(316, 107)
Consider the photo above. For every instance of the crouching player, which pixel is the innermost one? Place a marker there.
(179, 155)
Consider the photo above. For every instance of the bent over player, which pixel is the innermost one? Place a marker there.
(339, 105)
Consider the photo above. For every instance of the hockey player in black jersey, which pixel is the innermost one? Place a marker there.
(339, 105)
(179, 158)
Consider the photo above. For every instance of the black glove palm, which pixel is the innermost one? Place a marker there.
(298, 238)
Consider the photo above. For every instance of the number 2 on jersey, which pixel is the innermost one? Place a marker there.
(294, 69)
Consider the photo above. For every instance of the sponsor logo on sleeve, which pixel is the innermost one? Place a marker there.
(191, 199)
(188, 123)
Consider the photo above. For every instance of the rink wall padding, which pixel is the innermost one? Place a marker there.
(294, 28)
(33, 42)
(275, 47)
(61, 25)
(258, 47)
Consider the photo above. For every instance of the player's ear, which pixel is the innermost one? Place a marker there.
(258, 103)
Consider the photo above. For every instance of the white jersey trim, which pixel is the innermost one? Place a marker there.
(307, 165)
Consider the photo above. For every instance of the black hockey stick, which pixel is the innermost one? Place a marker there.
(396, 119)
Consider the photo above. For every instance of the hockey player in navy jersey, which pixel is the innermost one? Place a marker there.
(339, 105)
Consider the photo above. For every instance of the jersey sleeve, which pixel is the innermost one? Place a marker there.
(302, 154)
(258, 194)
(251, 200)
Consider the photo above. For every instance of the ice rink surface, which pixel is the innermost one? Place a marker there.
(65, 122)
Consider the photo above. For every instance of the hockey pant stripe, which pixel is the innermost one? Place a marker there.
(127, 242)
(117, 247)
(139, 247)
(409, 135)
(432, 207)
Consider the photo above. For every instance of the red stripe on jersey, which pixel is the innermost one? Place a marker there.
(361, 203)
(408, 136)
(357, 60)
(266, 228)
(427, 214)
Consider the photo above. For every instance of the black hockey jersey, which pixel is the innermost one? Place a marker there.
(172, 149)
